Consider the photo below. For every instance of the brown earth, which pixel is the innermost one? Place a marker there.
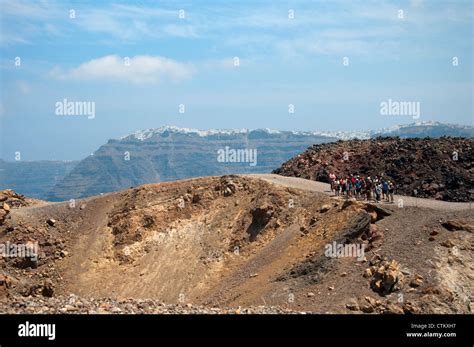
(428, 168)
(11, 200)
(15, 200)
(237, 241)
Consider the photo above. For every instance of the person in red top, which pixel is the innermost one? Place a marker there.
(343, 183)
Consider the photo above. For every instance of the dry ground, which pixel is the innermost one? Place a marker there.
(235, 241)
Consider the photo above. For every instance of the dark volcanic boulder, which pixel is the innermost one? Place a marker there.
(428, 168)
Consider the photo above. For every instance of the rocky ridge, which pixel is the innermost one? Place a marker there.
(428, 168)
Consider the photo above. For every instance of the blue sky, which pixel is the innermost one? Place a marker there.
(399, 50)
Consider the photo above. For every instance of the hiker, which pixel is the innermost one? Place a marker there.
(385, 190)
(391, 190)
(336, 186)
(362, 188)
(378, 191)
(358, 188)
(342, 183)
(332, 178)
(368, 188)
(353, 181)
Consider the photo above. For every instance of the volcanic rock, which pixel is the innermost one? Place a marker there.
(422, 167)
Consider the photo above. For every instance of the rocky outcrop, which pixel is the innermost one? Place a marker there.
(459, 224)
(11, 200)
(386, 276)
(357, 225)
(429, 168)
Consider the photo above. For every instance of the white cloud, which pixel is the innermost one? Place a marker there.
(124, 22)
(24, 87)
(133, 23)
(7, 38)
(26, 9)
(141, 69)
(224, 63)
(416, 3)
(180, 30)
(142, 11)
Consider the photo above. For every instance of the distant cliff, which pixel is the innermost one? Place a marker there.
(171, 153)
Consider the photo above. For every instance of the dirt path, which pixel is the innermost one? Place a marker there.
(308, 185)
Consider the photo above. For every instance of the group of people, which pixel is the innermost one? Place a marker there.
(363, 188)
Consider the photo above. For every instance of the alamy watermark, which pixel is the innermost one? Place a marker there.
(19, 250)
(75, 108)
(400, 108)
(28, 329)
(241, 155)
(349, 250)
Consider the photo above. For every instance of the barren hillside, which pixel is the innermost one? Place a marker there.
(433, 168)
(215, 244)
